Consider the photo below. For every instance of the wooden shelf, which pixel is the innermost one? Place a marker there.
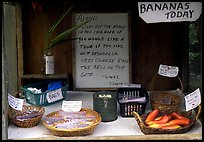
(41, 76)
(34, 78)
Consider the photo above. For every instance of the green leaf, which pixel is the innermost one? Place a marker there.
(65, 33)
(54, 44)
(58, 21)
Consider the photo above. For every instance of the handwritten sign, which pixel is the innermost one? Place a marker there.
(153, 12)
(102, 50)
(168, 71)
(15, 103)
(71, 106)
(193, 99)
(55, 95)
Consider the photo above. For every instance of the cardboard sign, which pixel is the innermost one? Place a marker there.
(71, 106)
(153, 12)
(15, 103)
(193, 99)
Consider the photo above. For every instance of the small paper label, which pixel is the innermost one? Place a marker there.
(54, 96)
(193, 99)
(168, 71)
(71, 106)
(15, 103)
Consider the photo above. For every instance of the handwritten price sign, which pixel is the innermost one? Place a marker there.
(71, 106)
(15, 103)
(54, 96)
(193, 99)
(168, 71)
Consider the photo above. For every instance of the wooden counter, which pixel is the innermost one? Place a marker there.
(121, 129)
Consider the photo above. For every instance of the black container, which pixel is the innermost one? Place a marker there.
(105, 103)
(128, 100)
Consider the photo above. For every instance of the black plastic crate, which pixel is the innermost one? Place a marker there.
(132, 99)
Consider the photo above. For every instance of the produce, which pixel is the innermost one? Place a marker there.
(158, 118)
(179, 116)
(172, 121)
(152, 115)
(164, 119)
(179, 122)
(171, 127)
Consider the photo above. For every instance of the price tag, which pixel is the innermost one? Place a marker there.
(15, 103)
(54, 95)
(71, 106)
(168, 71)
(193, 99)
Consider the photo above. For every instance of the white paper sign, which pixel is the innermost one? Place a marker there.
(54, 95)
(193, 99)
(168, 71)
(71, 106)
(15, 103)
(153, 12)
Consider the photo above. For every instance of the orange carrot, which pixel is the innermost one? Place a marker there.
(158, 125)
(164, 119)
(158, 118)
(179, 122)
(151, 116)
(178, 116)
(171, 127)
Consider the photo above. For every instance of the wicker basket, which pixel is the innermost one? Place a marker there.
(166, 101)
(33, 114)
(159, 101)
(75, 131)
(192, 115)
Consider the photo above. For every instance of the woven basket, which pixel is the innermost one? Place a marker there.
(166, 101)
(75, 131)
(29, 122)
(192, 115)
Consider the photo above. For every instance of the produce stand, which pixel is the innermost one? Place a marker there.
(120, 129)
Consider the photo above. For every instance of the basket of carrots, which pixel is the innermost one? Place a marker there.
(177, 122)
